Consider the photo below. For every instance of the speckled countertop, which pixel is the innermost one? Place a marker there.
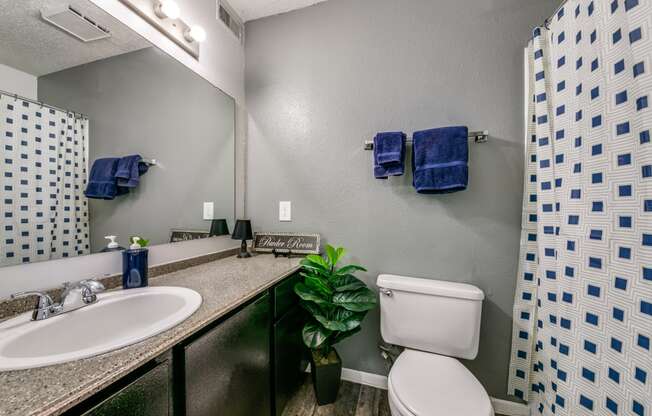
(223, 284)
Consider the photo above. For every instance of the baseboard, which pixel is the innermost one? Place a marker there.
(501, 407)
(367, 379)
(507, 408)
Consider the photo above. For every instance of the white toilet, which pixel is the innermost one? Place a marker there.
(435, 321)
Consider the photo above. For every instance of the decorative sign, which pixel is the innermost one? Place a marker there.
(185, 235)
(286, 242)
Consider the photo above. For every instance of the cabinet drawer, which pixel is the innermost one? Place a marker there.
(284, 296)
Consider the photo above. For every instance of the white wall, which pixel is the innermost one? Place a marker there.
(17, 82)
(221, 62)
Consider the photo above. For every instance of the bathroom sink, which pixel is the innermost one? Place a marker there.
(116, 320)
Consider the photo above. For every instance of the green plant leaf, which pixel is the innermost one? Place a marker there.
(312, 307)
(330, 324)
(318, 285)
(320, 267)
(334, 254)
(314, 335)
(349, 268)
(317, 260)
(306, 293)
(347, 282)
(349, 318)
(339, 336)
(357, 301)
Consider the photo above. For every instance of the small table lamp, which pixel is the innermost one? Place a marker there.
(242, 231)
(219, 227)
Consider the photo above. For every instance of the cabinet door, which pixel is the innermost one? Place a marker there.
(289, 357)
(149, 395)
(227, 370)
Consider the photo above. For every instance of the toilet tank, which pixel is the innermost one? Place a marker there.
(430, 315)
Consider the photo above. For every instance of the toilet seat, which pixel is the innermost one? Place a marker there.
(427, 384)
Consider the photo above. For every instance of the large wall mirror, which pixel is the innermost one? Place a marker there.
(103, 134)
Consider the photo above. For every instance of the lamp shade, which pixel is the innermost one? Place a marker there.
(219, 227)
(242, 230)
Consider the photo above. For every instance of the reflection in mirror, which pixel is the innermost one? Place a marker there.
(103, 134)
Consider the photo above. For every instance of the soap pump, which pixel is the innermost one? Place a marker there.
(113, 245)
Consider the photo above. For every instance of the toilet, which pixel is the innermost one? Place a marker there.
(437, 322)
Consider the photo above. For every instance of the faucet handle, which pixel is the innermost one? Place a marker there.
(89, 289)
(93, 285)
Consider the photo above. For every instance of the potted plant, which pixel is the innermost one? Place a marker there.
(337, 302)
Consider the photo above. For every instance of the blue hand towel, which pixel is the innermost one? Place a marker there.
(440, 160)
(129, 171)
(101, 183)
(389, 154)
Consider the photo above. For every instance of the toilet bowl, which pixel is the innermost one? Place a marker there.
(426, 384)
(437, 322)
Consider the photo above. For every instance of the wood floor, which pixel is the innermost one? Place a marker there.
(353, 400)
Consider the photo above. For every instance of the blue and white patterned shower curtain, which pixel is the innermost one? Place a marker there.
(583, 305)
(44, 210)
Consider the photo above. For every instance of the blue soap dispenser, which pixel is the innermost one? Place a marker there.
(134, 264)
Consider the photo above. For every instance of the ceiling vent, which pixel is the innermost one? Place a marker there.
(226, 15)
(72, 21)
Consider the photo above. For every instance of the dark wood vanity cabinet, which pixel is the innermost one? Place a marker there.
(247, 363)
(289, 355)
(227, 369)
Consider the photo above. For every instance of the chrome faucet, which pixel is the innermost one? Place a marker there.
(75, 296)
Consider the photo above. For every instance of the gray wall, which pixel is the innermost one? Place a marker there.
(322, 80)
(146, 103)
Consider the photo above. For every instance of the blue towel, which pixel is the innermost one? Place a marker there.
(129, 171)
(389, 154)
(440, 160)
(101, 183)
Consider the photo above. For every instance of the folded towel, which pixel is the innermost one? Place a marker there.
(389, 154)
(440, 160)
(129, 171)
(101, 182)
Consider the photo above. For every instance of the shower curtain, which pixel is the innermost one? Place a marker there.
(44, 210)
(583, 303)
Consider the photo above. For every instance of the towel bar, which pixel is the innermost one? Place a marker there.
(149, 162)
(477, 136)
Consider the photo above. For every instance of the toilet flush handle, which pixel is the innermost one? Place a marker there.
(385, 292)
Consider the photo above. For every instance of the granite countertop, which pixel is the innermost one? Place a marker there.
(223, 284)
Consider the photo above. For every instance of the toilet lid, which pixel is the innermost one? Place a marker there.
(429, 384)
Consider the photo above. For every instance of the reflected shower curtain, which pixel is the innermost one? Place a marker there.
(44, 210)
(583, 304)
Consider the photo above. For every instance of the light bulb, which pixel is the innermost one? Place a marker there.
(195, 34)
(167, 9)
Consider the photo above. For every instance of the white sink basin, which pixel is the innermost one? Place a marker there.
(116, 320)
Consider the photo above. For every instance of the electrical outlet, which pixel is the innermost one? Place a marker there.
(285, 211)
(208, 210)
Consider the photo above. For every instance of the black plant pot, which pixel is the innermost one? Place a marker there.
(326, 378)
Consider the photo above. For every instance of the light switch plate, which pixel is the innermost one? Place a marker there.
(208, 210)
(285, 211)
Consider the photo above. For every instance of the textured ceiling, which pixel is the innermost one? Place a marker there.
(255, 9)
(32, 45)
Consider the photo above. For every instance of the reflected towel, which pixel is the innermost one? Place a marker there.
(129, 170)
(101, 182)
(389, 154)
(440, 160)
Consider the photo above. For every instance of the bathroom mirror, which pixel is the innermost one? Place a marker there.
(76, 85)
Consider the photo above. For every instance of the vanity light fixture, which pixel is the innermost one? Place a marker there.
(167, 9)
(195, 33)
(165, 15)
